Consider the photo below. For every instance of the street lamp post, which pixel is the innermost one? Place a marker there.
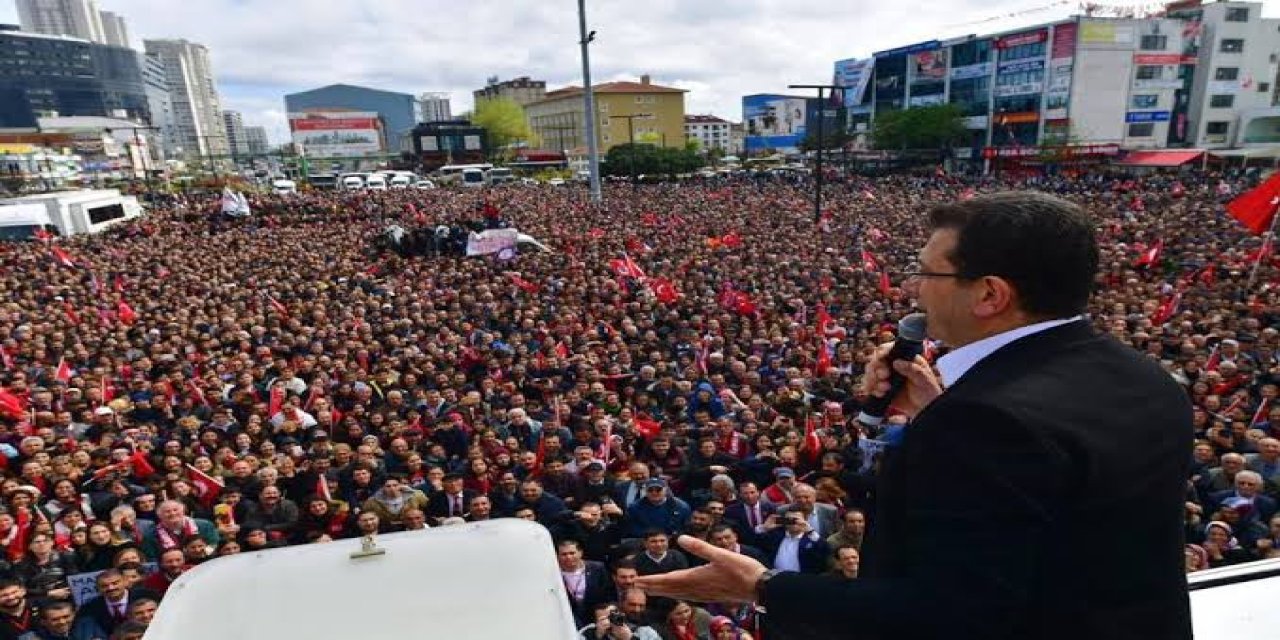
(817, 161)
(593, 150)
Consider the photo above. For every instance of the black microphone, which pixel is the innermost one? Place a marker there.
(910, 343)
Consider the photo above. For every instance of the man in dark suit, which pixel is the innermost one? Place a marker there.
(1046, 431)
(749, 512)
(450, 501)
(110, 607)
(586, 582)
(723, 536)
(796, 547)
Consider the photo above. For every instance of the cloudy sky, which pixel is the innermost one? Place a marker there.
(717, 49)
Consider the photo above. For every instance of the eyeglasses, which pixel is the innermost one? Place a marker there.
(917, 271)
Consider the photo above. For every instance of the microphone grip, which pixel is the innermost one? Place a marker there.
(873, 411)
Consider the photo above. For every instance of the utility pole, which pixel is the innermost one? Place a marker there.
(593, 151)
(631, 142)
(817, 161)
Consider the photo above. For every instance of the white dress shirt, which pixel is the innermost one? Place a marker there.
(954, 365)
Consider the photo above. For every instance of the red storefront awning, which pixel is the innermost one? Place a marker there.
(1161, 158)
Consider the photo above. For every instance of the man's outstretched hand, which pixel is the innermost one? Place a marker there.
(729, 576)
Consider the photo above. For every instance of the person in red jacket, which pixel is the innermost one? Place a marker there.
(173, 563)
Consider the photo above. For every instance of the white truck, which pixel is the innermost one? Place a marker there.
(65, 213)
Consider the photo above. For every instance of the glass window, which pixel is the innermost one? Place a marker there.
(1237, 14)
(1222, 101)
(1226, 73)
(1217, 128)
(1264, 87)
(1141, 130)
(1149, 72)
(1154, 43)
(98, 215)
(1144, 101)
(1231, 45)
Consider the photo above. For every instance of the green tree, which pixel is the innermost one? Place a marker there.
(931, 127)
(504, 121)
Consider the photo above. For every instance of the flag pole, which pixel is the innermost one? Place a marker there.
(1262, 253)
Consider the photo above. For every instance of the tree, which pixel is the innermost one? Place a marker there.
(646, 159)
(504, 121)
(932, 127)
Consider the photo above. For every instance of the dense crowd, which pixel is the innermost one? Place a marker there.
(685, 360)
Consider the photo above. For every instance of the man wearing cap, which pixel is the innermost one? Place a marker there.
(657, 510)
(784, 483)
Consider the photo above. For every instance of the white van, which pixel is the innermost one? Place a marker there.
(375, 182)
(473, 178)
(352, 183)
(70, 212)
(401, 181)
(280, 187)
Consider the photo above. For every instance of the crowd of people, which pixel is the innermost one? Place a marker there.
(685, 360)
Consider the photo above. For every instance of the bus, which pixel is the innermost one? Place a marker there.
(454, 172)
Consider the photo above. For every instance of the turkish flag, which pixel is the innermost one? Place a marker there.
(664, 291)
(869, 261)
(71, 313)
(1256, 209)
(207, 487)
(276, 400)
(64, 372)
(11, 404)
(1151, 255)
(62, 257)
(525, 285)
(142, 467)
(885, 285)
(731, 240)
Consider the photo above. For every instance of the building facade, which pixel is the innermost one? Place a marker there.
(397, 111)
(114, 30)
(522, 90)
(255, 138)
(628, 111)
(434, 107)
(155, 84)
(75, 18)
(57, 75)
(237, 141)
(197, 114)
(710, 131)
(1200, 76)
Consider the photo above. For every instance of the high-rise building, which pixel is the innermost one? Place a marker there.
(629, 111)
(114, 30)
(233, 122)
(43, 75)
(434, 107)
(76, 18)
(522, 90)
(197, 115)
(256, 140)
(155, 83)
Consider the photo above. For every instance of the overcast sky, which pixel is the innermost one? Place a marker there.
(719, 50)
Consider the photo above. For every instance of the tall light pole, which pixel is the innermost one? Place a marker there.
(817, 162)
(593, 150)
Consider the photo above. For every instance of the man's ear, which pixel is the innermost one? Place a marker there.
(994, 296)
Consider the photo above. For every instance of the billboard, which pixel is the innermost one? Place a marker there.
(1062, 54)
(854, 75)
(774, 121)
(929, 66)
(1019, 39)
(337, 133)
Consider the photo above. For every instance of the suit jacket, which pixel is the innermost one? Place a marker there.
(828, 517)
(95, 611)
(985, 500)
(815, 555)
(438, 504)
(737, 512)
(599, 588)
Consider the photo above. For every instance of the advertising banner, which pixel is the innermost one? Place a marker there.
(1024, 88)
(1021, 66)
(1157, 58)
(929, 66)
(491, 241)
(774, 122)
(854, 75)
(909, 49)
(924, 101)
(966, 72)
(1061, 64)
(1097, 32)
(337, 133)
(1146, 116)
(1158, 83)
(1019, 39)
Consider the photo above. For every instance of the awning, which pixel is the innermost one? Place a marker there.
(1252, 152)
(1161, 158)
